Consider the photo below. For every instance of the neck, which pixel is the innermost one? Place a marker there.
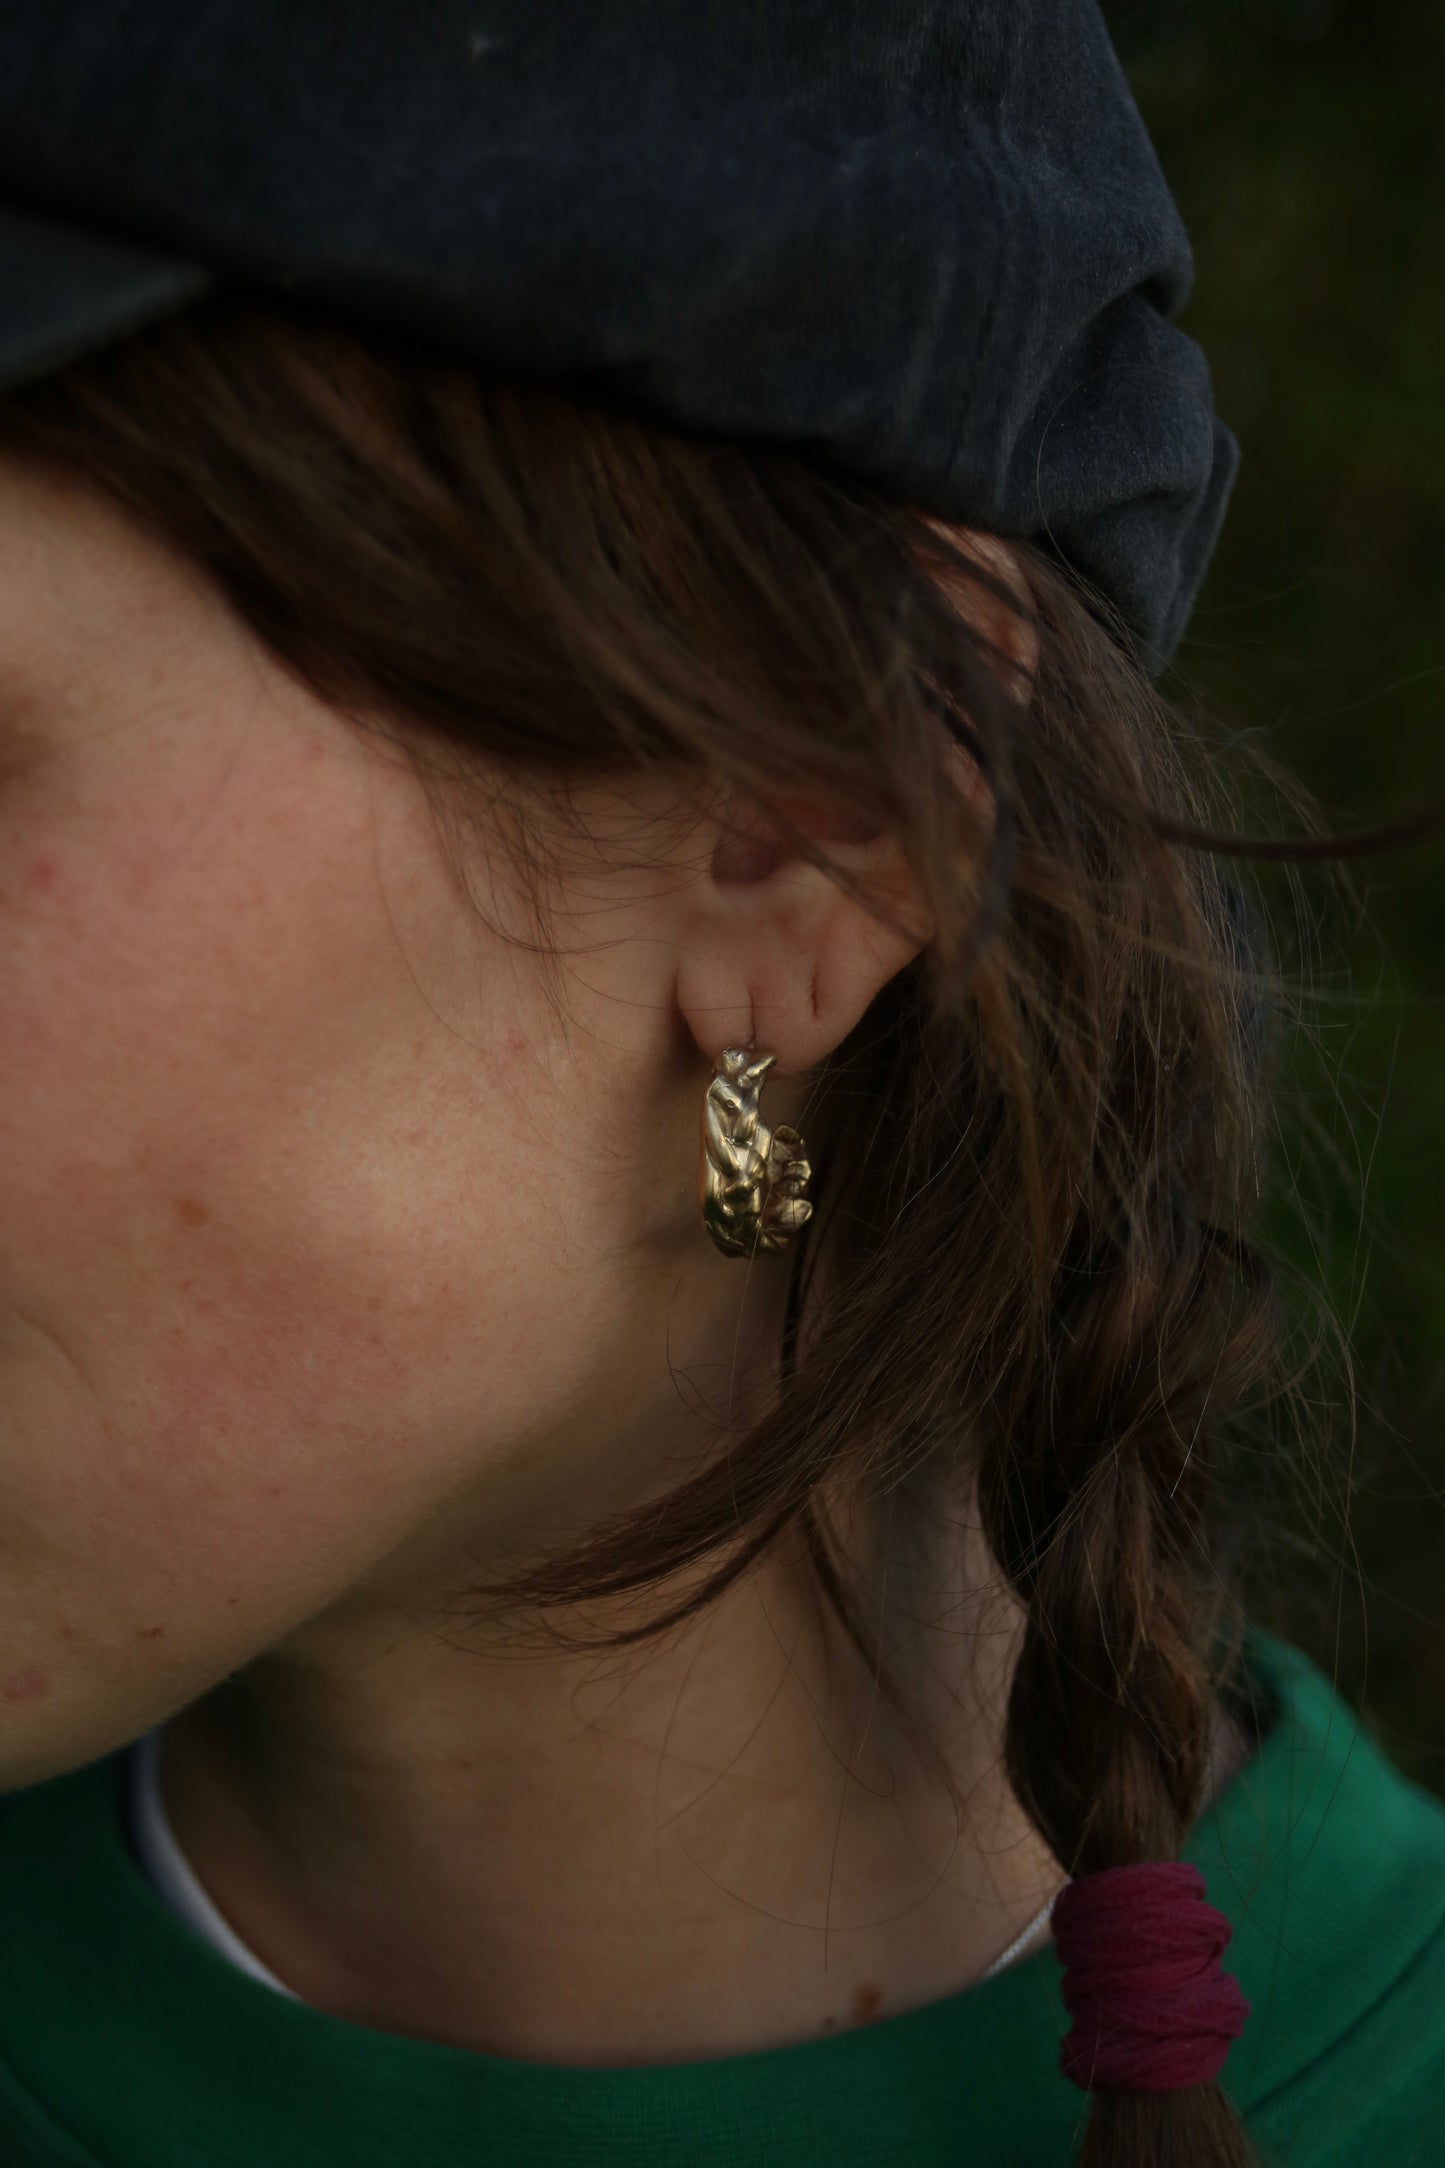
(719, 1844)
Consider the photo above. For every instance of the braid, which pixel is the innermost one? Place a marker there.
(1093, 1500)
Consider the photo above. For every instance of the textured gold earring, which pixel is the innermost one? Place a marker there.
(750, 1178)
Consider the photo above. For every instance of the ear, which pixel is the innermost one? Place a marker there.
(774, 954)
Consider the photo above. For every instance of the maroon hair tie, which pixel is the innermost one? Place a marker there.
(1152, 2010)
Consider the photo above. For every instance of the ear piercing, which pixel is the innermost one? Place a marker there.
(750, 1178)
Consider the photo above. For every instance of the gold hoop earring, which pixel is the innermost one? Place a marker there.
(750, 1178)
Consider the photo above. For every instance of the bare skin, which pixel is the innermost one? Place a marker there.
(336, 1264)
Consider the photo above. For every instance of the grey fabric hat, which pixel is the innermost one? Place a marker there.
(925, 241)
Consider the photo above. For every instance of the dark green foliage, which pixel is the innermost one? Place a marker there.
(1306, 145)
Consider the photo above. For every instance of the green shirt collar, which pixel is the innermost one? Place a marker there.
(125, 2039)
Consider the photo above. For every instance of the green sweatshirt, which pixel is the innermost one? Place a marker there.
(126, 2041)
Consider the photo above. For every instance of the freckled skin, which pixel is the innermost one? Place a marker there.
(292, 1161)
(26, 1686)
(339, 1266)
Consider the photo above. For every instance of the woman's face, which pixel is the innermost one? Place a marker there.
(331, 1257)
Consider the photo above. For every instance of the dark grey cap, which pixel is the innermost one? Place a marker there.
(925, 241)
(67, 290)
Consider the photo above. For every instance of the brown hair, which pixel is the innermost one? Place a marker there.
(1046, 1132)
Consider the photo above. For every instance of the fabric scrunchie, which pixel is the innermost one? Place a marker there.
(1152, 2010)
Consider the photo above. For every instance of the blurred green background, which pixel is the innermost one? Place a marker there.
(1305, 143)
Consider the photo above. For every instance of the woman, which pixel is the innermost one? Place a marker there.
(634, 1092)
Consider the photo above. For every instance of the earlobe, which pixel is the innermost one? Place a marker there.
(716, 998)
(792, 961)
(862, 952)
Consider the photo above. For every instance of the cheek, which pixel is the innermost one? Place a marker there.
(206, 1431)
(245, 1259)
